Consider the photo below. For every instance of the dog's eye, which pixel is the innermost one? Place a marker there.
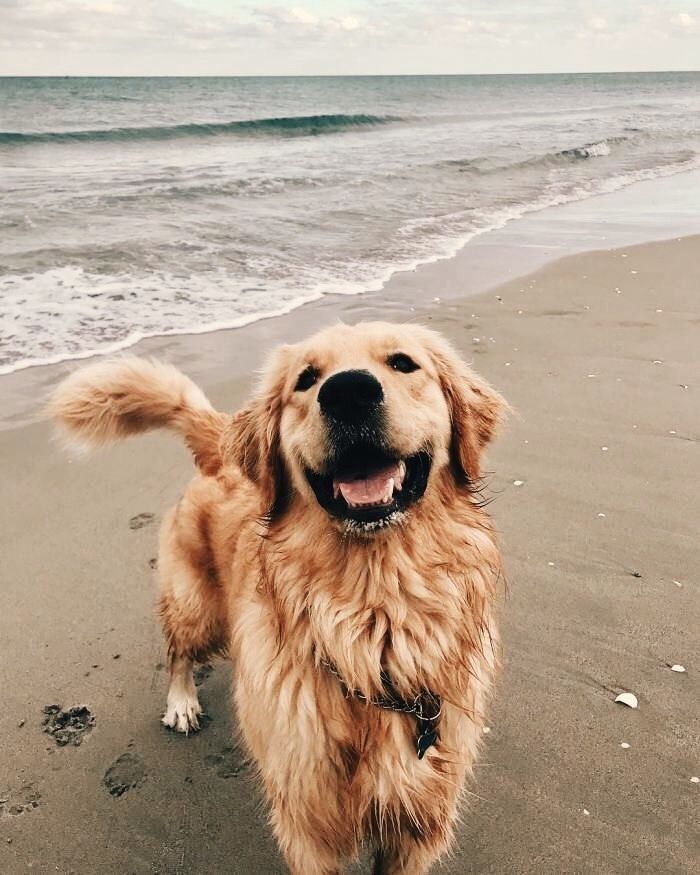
(401, 362)
(306, 379)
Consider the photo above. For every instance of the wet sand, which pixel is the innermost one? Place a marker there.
(598, 353)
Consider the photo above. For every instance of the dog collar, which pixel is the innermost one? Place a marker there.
(425, 708)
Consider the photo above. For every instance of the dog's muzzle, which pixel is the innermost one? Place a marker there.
(364, 481)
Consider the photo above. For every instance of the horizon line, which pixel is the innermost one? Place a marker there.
(327, 75)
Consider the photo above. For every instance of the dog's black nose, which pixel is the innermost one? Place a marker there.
(350, 395)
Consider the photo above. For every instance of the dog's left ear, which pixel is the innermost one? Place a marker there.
(476, 411)
(252, 439)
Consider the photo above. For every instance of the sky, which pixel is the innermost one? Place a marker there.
(322, 37)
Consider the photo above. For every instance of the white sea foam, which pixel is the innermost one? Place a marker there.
(69, 310)
(591, 150)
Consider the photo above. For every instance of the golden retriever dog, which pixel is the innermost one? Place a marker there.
(334, 545)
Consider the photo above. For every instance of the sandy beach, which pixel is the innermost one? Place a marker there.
(595, 493)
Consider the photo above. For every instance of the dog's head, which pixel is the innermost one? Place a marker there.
(362, 420)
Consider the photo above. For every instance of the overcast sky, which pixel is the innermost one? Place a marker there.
(216, 37)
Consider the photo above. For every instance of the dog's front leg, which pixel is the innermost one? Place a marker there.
(279, 717)
(306, 850)
(407, 857)
(183, 709)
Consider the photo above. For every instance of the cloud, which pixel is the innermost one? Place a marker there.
(299, 22)
(217, 37)
(302, 16)
(350, 22)
(598, 23)
(110, 24)
(684, 22)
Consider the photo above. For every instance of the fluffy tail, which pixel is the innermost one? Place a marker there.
(108, 401)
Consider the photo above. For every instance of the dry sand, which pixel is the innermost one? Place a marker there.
(599, 354)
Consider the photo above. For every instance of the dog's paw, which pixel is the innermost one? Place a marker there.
(182, 713)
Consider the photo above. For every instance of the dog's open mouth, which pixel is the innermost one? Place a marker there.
(370, 485)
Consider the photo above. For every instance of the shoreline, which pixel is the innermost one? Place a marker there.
(489, 259)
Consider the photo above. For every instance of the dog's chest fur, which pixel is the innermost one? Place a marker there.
(425, 618)
(416, 608)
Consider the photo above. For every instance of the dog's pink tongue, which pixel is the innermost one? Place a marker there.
(368, 490)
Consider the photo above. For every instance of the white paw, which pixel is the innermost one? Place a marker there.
(182, 712)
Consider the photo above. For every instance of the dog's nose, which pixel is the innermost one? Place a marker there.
(350, 395)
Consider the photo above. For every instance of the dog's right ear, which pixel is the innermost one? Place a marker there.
(252, 439)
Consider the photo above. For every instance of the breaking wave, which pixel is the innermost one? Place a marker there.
(286, 126)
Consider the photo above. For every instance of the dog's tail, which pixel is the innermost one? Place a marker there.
(108, 401)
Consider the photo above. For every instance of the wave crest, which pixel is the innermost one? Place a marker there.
(285, 126)
(484, 164)
(590, 150)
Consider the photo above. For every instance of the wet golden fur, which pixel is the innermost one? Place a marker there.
(251, 565)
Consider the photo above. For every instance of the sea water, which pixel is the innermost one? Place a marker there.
(132, 207)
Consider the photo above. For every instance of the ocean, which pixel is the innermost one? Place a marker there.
(133, 207)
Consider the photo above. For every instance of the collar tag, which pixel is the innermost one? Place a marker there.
(427, 738)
